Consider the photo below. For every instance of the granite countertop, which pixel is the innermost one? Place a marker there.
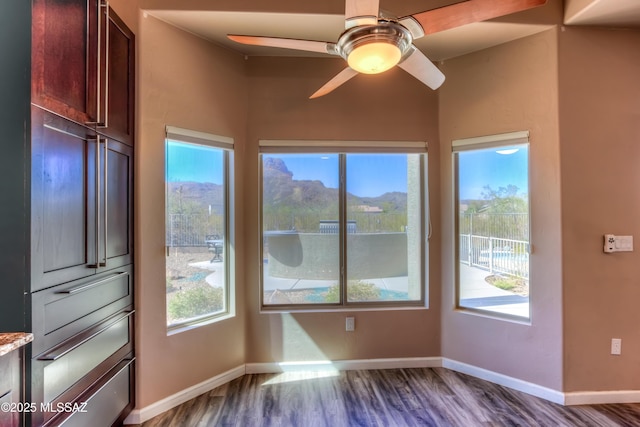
(10, 341)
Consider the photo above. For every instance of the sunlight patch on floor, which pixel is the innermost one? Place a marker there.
(303, 375)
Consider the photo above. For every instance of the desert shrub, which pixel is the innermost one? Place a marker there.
(195, 302)
(506, 283)
(356, 291)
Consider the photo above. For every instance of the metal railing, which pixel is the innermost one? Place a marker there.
(358, 222)
(513, 226)
(184, 230)
(496, 255)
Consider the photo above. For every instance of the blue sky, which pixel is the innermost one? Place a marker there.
(479, 168)
(190, 162)
(377, 174)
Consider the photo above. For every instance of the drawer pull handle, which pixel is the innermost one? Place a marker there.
(81, 288)
(70, 345)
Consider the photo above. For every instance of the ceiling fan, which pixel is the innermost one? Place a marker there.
(372, 43)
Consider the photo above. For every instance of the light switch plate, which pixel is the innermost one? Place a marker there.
(613, 243)
(350, 324)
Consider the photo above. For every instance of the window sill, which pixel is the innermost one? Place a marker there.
(350, 309)
(187, 327)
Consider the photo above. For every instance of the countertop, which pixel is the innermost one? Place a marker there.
(10, 341)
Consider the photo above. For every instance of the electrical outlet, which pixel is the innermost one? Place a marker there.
(616, 346)
(350, 324)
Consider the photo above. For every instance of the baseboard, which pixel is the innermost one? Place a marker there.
(138, 416)
(504, 380)
(601, 397)
(344, 365)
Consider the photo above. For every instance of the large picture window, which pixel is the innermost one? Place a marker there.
(492, 224)
(342, 228)
(198, 239)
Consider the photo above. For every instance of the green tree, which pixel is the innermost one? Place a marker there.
(504, 200)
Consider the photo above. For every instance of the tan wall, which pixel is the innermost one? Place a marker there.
(186, 82)
(127, 10)
(600, 151)
(508, 88)
(392, 106)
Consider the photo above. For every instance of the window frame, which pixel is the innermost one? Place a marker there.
(474, 144)
(342, 149)
(226, 144)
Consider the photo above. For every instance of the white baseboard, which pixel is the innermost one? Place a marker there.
(601, 397)
(138, 416)
(343, 365)
(504, 380)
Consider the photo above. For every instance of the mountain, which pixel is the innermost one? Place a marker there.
(194, 197)
(280, 192)
(312, 195)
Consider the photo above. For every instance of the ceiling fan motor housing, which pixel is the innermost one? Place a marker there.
(384, 31)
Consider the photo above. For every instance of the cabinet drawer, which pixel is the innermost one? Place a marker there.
(8, 363)
(8, 418)
(66, 370)
(65, 310)
(105, 401)
(10, 390)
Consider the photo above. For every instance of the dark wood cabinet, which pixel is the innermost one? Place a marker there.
(82, 201)
(116, 119)
(10, 388)
(117, 240)
(81, 231)
(64, 216)
(65, 58)
(83, 59)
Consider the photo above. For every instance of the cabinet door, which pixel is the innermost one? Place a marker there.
(116, 192)
(65, 57)
(64, 184)
(117, 78)
(10, 393)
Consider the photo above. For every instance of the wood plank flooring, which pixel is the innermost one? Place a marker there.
(393, 397)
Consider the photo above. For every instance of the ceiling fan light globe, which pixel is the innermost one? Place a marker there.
(374, 58)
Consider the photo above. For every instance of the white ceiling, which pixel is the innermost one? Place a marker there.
(215, 25)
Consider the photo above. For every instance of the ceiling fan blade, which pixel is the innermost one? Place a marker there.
(420, 67)
(361, 12)
(306, 45)
(339, 79)
(467, 12)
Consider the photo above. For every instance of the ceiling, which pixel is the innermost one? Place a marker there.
(214, 25)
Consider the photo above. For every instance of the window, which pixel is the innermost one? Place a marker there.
(342, 226)
(492, 224)
(198, 237)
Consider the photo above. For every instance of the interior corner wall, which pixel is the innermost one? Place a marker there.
(187, 82)
(390, 106)
(506, 88)
(600, 152)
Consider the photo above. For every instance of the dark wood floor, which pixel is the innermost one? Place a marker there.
(393, 397)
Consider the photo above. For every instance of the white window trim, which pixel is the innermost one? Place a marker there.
(196, 137)
(178, 134)
(349, 147)
(331, 146)
(478, 143)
